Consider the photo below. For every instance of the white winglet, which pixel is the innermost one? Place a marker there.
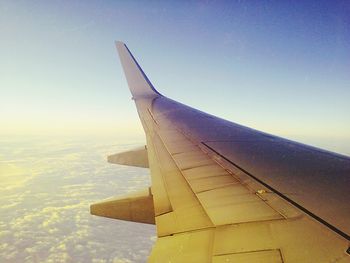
(139, 84)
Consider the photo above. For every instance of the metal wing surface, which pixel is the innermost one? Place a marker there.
(223, 192)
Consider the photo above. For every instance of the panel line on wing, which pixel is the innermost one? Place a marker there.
(150, 113)
(239, 212)
(336, 230)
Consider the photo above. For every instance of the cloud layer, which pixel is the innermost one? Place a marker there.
(45, 208)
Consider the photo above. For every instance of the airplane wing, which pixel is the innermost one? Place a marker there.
(223, 192)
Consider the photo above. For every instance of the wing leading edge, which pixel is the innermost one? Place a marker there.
(227, 193)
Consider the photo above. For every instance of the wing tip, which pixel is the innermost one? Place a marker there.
(122, 47)
(119, 43)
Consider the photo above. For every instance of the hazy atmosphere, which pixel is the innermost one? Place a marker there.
(277, 66)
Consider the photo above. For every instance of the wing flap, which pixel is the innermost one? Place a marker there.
(186, 211)
(224, 199)
(264, 256)
(184, 247)
(234, 204)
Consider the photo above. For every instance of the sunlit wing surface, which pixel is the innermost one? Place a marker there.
(223, 192)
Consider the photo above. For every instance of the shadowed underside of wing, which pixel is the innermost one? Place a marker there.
(226, 193)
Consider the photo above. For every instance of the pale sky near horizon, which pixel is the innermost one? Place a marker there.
(280, 67)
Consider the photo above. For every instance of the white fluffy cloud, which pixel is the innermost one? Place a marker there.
(47, 219)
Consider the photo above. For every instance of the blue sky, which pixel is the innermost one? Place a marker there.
(278, 66)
